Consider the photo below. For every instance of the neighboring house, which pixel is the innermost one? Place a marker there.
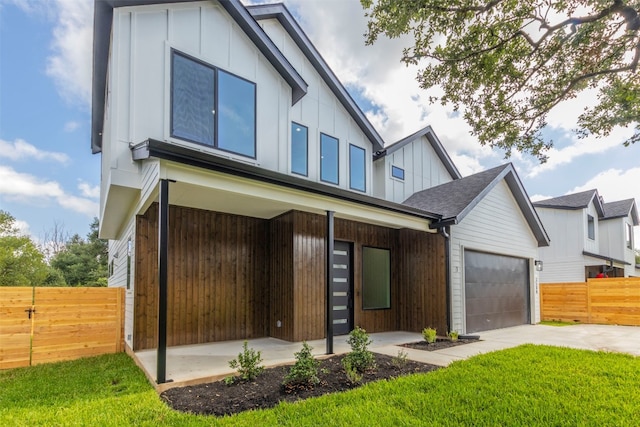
(241, 196)
(589, 237)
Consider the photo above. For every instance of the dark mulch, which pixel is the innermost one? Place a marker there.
(440, 344)
(267, 391)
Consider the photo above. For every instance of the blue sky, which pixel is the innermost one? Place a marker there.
(48, 174)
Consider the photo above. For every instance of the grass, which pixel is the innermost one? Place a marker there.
(528, 385)
(558, 323)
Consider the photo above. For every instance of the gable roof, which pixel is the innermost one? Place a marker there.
(454, 200)
(622, 209)
(573, 201)
(280, 12)
(435, 144)
(102, 22)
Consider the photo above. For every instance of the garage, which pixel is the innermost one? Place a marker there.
(496, 291)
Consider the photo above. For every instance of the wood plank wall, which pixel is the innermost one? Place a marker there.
(66, 323)
(235, 277)
(612, 301)
(423, 296)
(218, 277)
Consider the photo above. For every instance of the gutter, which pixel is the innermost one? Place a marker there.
(444, 232)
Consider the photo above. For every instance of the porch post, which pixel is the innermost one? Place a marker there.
(163, 256)
(329, 276)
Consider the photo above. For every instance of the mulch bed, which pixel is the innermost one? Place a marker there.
(440, 344)
(267, 391)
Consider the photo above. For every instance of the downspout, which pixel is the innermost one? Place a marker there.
(444, 232)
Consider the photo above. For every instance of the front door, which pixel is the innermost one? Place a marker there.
(342, 289)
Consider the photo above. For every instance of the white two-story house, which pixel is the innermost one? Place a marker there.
(589, 237)
(245, 194)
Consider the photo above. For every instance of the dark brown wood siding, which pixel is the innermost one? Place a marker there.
(360, 234)
(218, 281)
(423, 296)
(281, 277)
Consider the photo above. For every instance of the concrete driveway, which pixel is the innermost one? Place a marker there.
(623, 339)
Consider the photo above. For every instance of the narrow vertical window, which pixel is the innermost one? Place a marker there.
(357, 168)
(591, 227)
(129, 253)
(329, 159)
(629, 236)
(376, 278)
(299, 149)
(397, 172)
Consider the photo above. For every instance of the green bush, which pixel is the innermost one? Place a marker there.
(247, 364)
(400, 360)
(353, 375)
(453, 335)
(305, 371)
(360, 359)
(429, 335)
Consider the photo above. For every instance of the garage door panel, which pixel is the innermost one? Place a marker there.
(496, 291)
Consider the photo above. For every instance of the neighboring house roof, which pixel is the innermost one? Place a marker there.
(454, 200)
(102, 22)
(604, 257)
(573, 201)
(281, 13)
(435, 144)
(152, 148)
(622, 209)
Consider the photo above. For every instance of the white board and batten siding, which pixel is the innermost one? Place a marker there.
(613, 242)
(422, 169)
(140, 75)
(119, 258)
(496, 225)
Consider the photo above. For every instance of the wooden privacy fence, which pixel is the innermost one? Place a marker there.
(614, 301)
(40, 325)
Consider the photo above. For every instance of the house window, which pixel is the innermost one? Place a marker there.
(329, 159)
(129, 253)
(357, 173)
(376, 278)
(591, 227)
(299, 149)
(397, 172)
(629, 236)
(212, 107)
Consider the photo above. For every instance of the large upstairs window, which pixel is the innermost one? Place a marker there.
(212, 107)
(357, 168)
(299, 149)
(329, 159)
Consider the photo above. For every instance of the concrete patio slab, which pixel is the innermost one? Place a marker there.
(192, 364)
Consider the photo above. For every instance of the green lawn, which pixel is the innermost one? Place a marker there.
(528, 385)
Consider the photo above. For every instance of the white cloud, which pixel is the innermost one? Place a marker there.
(580, 147)
(19, 149)
(27, 188)
(71, 126)
(70, 63)
(23, 227)
(88, 191)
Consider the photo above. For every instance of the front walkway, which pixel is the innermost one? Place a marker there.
(192, 364)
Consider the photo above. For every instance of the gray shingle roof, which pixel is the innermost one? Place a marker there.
(450, 199)
(621, 209)
(455, 199)
(569, 201)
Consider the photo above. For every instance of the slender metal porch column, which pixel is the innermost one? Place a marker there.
(163, 257)
(329, 276)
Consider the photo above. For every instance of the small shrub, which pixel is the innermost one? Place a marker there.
(305, 371)
(248, 363)
(360, 358)
(229, 380)
(429, 335)
(453, 335)
(353, 375)
(400, 360)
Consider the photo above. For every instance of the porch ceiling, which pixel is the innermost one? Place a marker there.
(216, 191)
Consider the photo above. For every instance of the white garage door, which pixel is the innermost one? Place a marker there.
(496, 291)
